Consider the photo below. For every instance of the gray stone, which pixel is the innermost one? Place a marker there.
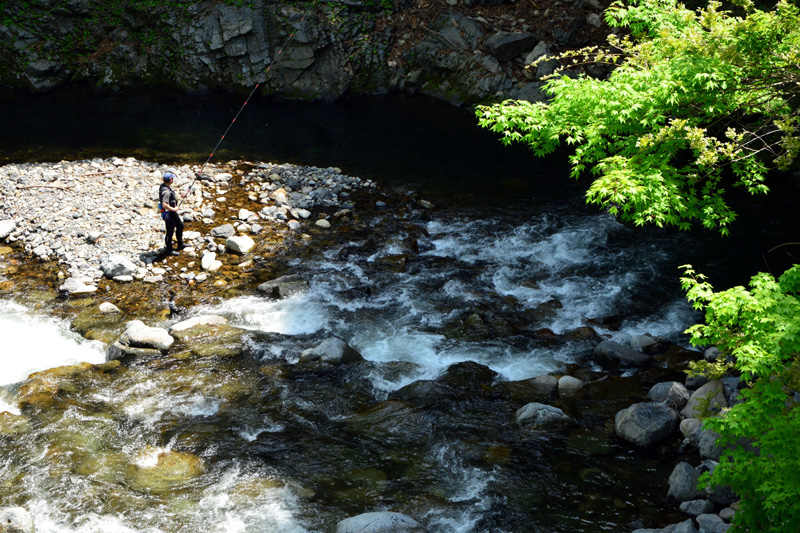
(138, 335)
(568, 385)
(6, 228)
(507, 45)
(332, 351)
(380, 522)
(594, 19)
(727, 514)
(712, 354)
(683, 483)
(707, 444)
(695, 508)
(76, 287)
(646, 424)
(545, 68)
(539, 415)
(284, 286)
(538, 51)
(642, 342)
(545, 384)
(705, 401)
(224, 231)
(615, 356)
(15, 520)
(711, 523)
(686, 526)
(117, 265)
(673, 393)
(690, 427)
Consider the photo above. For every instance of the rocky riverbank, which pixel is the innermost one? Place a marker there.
(99, 219)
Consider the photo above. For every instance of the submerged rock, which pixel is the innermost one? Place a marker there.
(332, 351)
(164, 472)
(380, 522)
(616, 356)
(15, 520)
(284, 286)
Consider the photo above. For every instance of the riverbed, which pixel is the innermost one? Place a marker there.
(283, 447)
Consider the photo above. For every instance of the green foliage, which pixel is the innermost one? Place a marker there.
(699, 101)
(760, 327)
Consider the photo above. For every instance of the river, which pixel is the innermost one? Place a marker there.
(511, 241)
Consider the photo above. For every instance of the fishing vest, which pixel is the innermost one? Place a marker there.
(173, 201)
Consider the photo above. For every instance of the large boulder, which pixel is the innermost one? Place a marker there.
(284, 286)
(15, 520)
(706, 401)
(332, 351)
(380, 522)
(539, 416)
(673, 393)
(117, 265)
(646, 424)
(683, 483)
(615, 356)
(711, 523)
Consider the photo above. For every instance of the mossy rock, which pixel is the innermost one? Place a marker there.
(168, 471)
(93, 319)
(43, 389)
(11, 424)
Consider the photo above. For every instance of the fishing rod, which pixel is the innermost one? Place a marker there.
(274, 60)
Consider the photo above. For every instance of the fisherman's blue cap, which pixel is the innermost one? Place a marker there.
(168, 176)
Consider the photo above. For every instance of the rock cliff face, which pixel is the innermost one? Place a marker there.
(463, 53)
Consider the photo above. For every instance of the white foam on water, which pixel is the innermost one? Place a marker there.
(32, 343)
(295, 315)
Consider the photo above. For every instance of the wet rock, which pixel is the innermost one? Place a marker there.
(695, 508)
(642, 342)
(540, 416)
(673, 393)
(706, 401)
(16, 520)
(117, 265)
(683, 483)
(163, 472)
(645, 424)
(11, 424)
(332, 351)
(284, 286)
(42, 389)
(109, 308)
(615, 356)
(392, 422)
(707, 444)
(240, 244)
(140, 340)
(203, 320)
(568, 385)
(322, 223)
(380, 522)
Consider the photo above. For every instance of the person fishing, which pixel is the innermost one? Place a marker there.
(169, 212)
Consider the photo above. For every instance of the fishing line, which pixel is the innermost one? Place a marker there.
(272, 63)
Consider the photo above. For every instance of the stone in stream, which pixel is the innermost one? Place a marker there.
(540, 416)
(161, 472)
(109, 308)
(569, 386)
(117, 265)
(224, 231)
(683, 483)
(711, 523)
(695, 508)
(646, 424)
(380, 522)
(615, 356)
(707, 400)
(284, 286)
(140, 340)
(333, 351)
(673, 393)
(16, 520)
